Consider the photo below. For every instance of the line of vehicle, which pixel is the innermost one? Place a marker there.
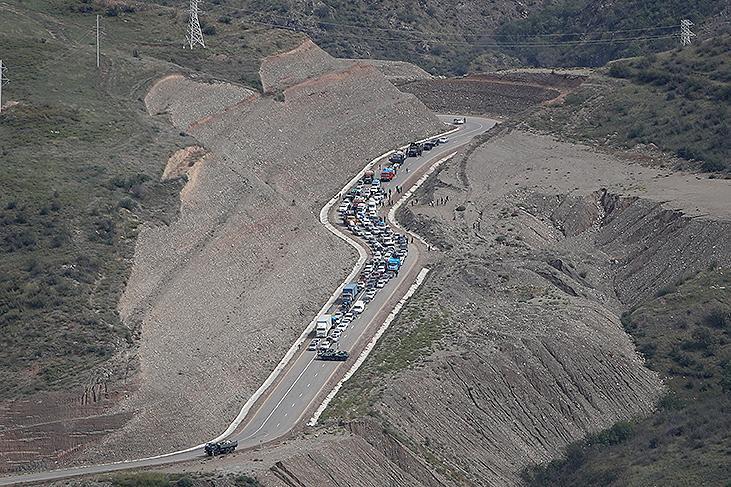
(184, 455)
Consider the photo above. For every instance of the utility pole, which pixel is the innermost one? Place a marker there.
(97, 41)
(3, 81)
(195, 36)
(685, 33)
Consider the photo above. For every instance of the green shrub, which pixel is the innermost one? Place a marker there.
(717, 319)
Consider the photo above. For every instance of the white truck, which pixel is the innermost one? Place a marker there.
(323, 325)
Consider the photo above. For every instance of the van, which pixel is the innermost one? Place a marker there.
(358, 307)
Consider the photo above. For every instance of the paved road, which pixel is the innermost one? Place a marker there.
(301, 386)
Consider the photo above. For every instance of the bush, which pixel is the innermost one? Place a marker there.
(620, 432)
(127, 203)
(717, 319)
(665, 290)
(209, 30)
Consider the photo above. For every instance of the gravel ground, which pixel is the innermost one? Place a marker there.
(223, 291)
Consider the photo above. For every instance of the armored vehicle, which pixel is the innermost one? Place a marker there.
(221, 447)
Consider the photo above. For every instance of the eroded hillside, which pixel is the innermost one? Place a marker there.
(516, 342)
(223, 291)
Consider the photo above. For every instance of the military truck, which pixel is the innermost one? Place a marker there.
(415, 149)
(332, 354)
(221, 447)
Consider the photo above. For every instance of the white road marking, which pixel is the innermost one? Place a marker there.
(281, 400)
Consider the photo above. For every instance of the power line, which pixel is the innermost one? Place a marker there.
(495, 45)
(416, 31)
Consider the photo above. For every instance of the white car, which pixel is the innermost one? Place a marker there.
(335, 336)
(324, 344)
(459, 121)
(313, 344)
(342, 327)
(381, 283)
(371, 293)
(443, 140)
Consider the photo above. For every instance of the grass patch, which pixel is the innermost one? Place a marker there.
(684, 336)
(412, 334)
(161, 479)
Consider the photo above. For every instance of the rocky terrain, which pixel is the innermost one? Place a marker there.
(515, 341)
(223, 291)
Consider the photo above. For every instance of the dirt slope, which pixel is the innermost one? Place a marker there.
(223, 291)
(515, 341)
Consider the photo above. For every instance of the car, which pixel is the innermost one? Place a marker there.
(459, 121)
(381, 283)
(334, 336)
(371, 293)
(337, 317)
(345, 322)
(313, 344)
(324, 344)
(349, 316)
(443, 140)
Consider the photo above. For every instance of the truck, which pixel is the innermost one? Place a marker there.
(415, 149)
(322, 326)
(350, 291)
(397, 157)
(394, 264)
(387, 174)
(368, 177)
(331, 354)
(220, 447)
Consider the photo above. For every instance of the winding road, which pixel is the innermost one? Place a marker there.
(301, 386)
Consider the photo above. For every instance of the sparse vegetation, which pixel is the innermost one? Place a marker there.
(161, 479)
(409, 337)
(684, 336)
(655, 21)
(81, 167)
(677, 101)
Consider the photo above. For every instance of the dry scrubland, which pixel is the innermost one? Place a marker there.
(223, 291)
(515, 342)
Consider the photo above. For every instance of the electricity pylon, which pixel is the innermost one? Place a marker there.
(3, 81)
(685, 33)
(195, 35)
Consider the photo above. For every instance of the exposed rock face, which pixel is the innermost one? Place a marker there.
(365, 459)
(551, 243)
(224, 291)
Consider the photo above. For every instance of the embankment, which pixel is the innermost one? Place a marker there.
(515, 340)
(224, 290)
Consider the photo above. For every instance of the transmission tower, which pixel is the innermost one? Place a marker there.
(195, 36)
(97, 41)
(3, 81)
(685, 33)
